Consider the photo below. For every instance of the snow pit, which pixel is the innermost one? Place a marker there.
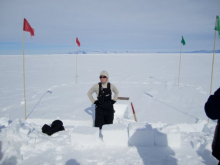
(85, 135)
(115, 134)
(140, 134)
(120, 110)
(168, 136)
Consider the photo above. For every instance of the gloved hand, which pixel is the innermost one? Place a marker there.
(113, 101)
(96, 102)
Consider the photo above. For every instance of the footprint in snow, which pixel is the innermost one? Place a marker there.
(34, 96)
(59, 149)
(201, 90)
(5, 109)
(156, 82)
(59, 158)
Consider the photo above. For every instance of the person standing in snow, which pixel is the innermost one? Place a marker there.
(104, 111)
(212, 109)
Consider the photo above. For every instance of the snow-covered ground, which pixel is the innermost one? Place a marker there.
(172, 126)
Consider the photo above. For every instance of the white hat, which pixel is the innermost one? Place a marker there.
(104, 73)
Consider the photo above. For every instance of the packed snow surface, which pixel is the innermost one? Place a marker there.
(172, 127)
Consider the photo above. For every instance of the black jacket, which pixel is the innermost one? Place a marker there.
(212, 109)
(212, 106)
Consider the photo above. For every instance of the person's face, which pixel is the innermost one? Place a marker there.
(103, 79)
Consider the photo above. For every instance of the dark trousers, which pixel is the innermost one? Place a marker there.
(104, 114)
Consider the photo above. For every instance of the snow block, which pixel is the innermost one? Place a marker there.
(120, 110)
(85, 135)
(168, 136)
(115, 134)
(24, 130)
(197, 127)
(4, 121)
(140, 134)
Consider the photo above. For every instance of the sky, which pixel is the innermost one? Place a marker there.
(119, 25)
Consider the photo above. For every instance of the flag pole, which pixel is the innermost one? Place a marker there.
(213, 59)
(76, 64)
(78, 44)
(180, 63)
(213, 62)
(25, 116)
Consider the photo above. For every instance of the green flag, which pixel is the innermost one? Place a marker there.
(183, 41)
(217, 25)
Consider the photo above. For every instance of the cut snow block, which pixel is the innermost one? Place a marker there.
(115, 134)
(120, 110)
(168, 136)
(140, 134)
(85, 135)
(197, 127)
(24, 130)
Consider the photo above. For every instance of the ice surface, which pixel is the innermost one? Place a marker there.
(140, 135)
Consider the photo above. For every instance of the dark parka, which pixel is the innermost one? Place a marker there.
(212, 109)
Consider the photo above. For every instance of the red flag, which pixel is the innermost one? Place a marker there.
(27, 27)
(77, 41)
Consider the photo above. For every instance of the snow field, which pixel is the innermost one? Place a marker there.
(150, 80)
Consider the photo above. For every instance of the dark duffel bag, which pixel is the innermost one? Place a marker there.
(56, 126)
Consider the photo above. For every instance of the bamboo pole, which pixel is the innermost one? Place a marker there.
(213, 62)
(25, 109)
(180, 63)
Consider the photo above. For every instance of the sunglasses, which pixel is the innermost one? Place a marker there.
(102, 77)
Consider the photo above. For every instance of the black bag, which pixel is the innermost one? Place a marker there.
(56, 126)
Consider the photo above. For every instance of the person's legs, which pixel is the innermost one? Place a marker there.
(109, 118)
(99, 118)
(109, 115)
